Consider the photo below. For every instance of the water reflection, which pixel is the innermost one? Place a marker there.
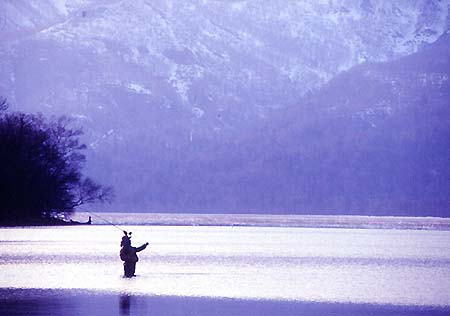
(124, 305)
(75, 303)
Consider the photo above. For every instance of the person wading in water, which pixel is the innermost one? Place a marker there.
(128, 255)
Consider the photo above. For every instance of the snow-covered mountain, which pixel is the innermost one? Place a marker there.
(154, 80)
(375, 139)
(217, 59)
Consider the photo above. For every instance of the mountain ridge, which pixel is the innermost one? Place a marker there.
(174, 97)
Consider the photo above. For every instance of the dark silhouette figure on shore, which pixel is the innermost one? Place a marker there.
(128, 255)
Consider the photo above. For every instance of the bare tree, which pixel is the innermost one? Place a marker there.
(3, 105)
(41, 165)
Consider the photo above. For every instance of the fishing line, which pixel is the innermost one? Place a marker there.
(102, 218)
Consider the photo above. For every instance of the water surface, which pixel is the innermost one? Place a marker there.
(357, 266)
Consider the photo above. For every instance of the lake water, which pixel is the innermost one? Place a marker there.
(317, 265)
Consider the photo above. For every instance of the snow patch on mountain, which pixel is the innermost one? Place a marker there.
(239, 6)
(138, 88)
(198, 113)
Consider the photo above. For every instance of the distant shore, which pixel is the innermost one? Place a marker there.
(267, 220)
(242, 220)
(51, 221)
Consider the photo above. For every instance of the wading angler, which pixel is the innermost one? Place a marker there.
(128, 254)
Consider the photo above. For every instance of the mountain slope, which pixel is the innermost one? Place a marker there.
(235, 59)
(374, 140)
(172, 94)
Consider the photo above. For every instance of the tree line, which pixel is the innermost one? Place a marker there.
(41, 163)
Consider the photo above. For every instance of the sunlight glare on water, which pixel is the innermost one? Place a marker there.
(404, 267)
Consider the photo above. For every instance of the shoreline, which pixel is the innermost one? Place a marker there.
(269, 220)
(39, 222)
(241, 220)
(76, 302)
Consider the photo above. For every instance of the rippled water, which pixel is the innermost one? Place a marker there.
(402, 267)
